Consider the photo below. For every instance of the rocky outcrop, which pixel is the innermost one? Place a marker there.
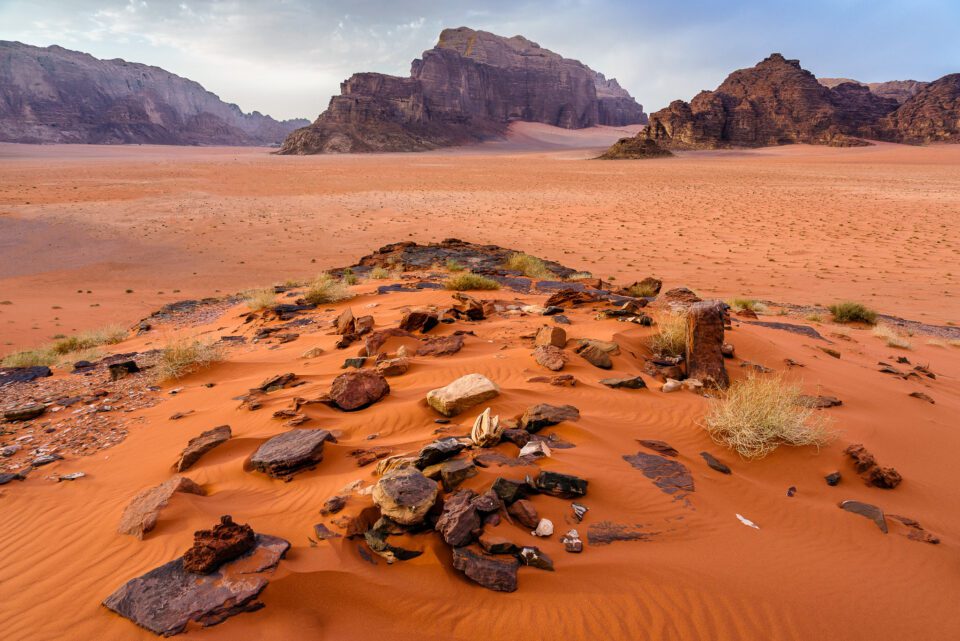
(931, 115)
(899, 90)
(467, 88)
(635, 148)
(54, 95)
(704, 344)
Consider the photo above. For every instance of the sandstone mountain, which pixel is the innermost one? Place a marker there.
(467, 88)
(54, 95)
(776, 102)
(932, 115)
(899, 90)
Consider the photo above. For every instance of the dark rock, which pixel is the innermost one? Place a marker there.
(419, 321)
(487, 502)
(492, 573)
(333, 505)
(595, 355)
(356, 363)
(166, 599)
(376, 538)
(274, 383)
(122, 370)
(356, 390)
(922, 396)
(571, 296)
(508, 491)
(497, 544)
(714, 464)
(659, 446)
(571, 542)
(26, 412)
(533, 557)
(405, 495)
(23, 374)
(704, 341)
(212, 548)
(455, 472)
(200, 445)
(562, 485)
(630, 382)
(832, 479)
(439, 451)
(872, 512)
(459, 523)
(375, 340)
(680, 295)
(323, 533)
(606, 532)
(579, 511)
(819, 402)
(915, 531)
(524, 512)
(670, 476)
(441, 346)
(929, 115)
(635, 148)
(517, 436)
(291, 452)
(883, 477)
(545, 415)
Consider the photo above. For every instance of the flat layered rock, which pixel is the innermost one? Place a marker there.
(867, 510)
(462, 394)
(290, 452)
(166, 599)
(565, 486)
(200, 445)
(498, 574)
(405, 495)
(628, 382)
(550, 357)
(141, 514)
(460, 523)
(670, 476)
(544, 415)
(441, 346)
(353, 391)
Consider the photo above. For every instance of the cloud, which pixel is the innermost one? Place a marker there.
(287, 57)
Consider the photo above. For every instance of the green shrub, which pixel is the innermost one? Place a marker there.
(468, 280)
(326, 289)
(260, 299)
(453, 266)
(849, 312)
(528, 265)
(740, 304)
(110, 335)
(379, 273)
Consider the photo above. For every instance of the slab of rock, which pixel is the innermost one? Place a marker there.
(441, 345)
(212, 548)
(544, 415)
(704, 354)
(290, 452)
(508, 490)
(344, 324)
(405, 495)
(353, 391)
(549, 356)
(672, 477)
(375, 340)
(451, 473)
(23, 374)
(547, 335)
(819, 402)
(462, 394)
(497, 544)
(492, 573)
(872, 512)
(200, 445)
(525, 513)
(166, 599)
(393, 366)
(438, 451)
(629, 382)
(595, 356)
(560, 380)
(606, 532)
(565, 486)
(661, 447)
(419, 320)
(26, 412)
(141, 514)
(459, 523)
(714, 463)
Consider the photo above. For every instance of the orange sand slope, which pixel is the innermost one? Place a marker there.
(811, 570)
(79, 226)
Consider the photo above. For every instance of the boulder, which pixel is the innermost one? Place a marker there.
(26, 412)
(291, 452)
(167, 598)
(524, 512)
(595, 355)
(461, 394)
(419, 320)
(549, 356)
(441, 345)
(492, 573)
(344, 324)
(459, 523)
(393, 366)
(356, 390)
(141, 514)
(212, 548)
(405, 495)
(122, 369)
(509, 491)
(438, 451)
(704, 356)
(200, 445)
(545, 415)
(547, 335)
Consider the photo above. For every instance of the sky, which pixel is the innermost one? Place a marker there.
(287, 57)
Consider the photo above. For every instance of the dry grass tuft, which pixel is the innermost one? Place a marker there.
(529, 266)
(326, 289)
(468, 280)
(110, 335)
(379, 273)
(849, 312)
(30, 358)
(453, 266)
(760, 413)
(741, 304)
(183, 357)
(642, 290)
(670, 338)
(260, 299)
(891, 336)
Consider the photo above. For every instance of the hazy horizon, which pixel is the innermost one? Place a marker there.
(287, 59)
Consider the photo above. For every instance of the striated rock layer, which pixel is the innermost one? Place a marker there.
(899, 90)
(54, 95)
(931, 115)
(467, 88)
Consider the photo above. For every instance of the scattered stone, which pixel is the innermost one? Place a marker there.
(524, 512)
(367, 456)
(672, 477)
(560, 380)
(516, 436)
(915, 531)
(551, 336)
(461, 394)
(574, 297)
(872, 512)
(714, 464)
(883, 477)
(393, 366)
(704, 357)
(166, 599)
(353, 391)
(313, 352)
(376, 538)
(922, 397)
(375, 340)
(544, 528)
(6, 477)
(200, 445)
(439, 451)
(550, 357)
(562, 485)
(405, 495)
(344, 324)
(486, 431)
(497, 544)
(534, 450)
(441, 345)
(453, 473)
(491, 573)
(545, 415)
(73, 476)
(122, 369)
(660, 447)
(595, 356)
(333, 505)
(671, 385)
(727, 349)
(533, 557)
(829, 352)
(680, 295)
(10, 450)
(571, 542)
(579, 511)
(791, 491)
(26, 412)
(356, 363)
(832, 479)
(10, 375)
(274, 383)
(819, 402)
(212, 548)
(323, 533)
(419, 321)
(629, 382)
(141, 514)
(291, 452)
(459, 523)
(606, 532)
(508, 491)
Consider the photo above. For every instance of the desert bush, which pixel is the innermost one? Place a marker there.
(670, 339)
(326, 289)
(740, 304)
(849, 312)
(468, 280)
(453, 266)
(642, 290)
(30, 358)
(260, 299)
(528, 265)
(760, 413)
(86, 340)
(379, 273)
(349, 278)
(891, 336)
(185, 356)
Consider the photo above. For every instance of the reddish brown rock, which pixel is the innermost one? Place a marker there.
(547, 335)
(544, 415)
(459, 523)
(393, 366)
(594, 355)
(419, 320)
(492, 573)
(928, 116)
(704, 355)
(550, 357)
(525, 513)
(874, 474)
(291, 452)
(200, 445)
(344, 324)
(441, 345)
(680, 295)
(141, 514)
(672, 477)
(212, 548)
(560, 380)
(375, 340)
(358, 389)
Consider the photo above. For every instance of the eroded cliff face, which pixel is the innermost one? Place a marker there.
(899, 90)
(54, 95)
(931, 115)
(467, 88)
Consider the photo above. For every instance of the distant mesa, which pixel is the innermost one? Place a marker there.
(777, 102)
(54, 95)
(468, 88)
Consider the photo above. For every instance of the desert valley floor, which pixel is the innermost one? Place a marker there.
(91, 236)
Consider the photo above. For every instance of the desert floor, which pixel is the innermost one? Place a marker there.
(798, 224)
